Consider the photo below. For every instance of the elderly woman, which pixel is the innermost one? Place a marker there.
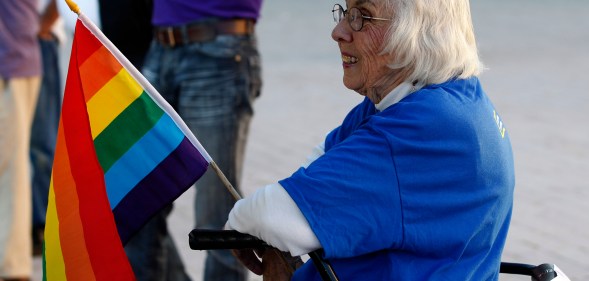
(417, 182)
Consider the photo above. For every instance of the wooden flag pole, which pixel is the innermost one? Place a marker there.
(225, 181)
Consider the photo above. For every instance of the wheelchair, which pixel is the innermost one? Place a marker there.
(202, 239)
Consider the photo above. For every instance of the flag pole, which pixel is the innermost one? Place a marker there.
(225, 181)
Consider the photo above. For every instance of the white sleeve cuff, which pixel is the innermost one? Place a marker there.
(271, 215)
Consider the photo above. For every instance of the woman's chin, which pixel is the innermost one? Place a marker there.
(351, 84)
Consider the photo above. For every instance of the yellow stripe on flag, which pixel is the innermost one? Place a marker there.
(55, 267)
(111, 100)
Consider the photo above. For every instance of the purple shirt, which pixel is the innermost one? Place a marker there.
(178, 12)
(20, 54)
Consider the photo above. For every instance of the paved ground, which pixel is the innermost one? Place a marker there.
(537, 55)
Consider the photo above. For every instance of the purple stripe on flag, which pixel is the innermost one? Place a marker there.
(164, 184)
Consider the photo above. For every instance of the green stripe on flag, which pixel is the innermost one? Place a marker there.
(132, 124)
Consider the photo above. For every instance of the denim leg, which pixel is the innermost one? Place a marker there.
(152, 253)
(44, 130)
(220, 264)
(217, 88)
(224, 142)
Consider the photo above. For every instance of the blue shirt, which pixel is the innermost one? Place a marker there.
(20, 54)
(178, 12)
(420, 191)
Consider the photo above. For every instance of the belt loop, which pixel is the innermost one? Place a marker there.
(251, 26)
(184, 34)
(170, 34)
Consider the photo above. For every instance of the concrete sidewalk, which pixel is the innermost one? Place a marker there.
(537, 55)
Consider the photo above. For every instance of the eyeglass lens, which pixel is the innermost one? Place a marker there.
(354, 16)
(338, 13)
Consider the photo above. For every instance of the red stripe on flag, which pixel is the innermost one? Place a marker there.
(106, 252)
(84, 38)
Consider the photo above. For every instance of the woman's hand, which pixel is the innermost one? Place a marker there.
(249, 259)
(274, 266)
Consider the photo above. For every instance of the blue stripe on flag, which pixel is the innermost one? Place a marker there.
(141, 159)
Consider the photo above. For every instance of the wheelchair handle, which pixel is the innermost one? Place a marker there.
(206, 239)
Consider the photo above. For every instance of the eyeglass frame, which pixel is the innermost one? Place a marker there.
(344, 14)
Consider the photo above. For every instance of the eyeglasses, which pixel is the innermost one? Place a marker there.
(354, 15)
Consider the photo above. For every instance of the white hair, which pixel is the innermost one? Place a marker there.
(432, 39)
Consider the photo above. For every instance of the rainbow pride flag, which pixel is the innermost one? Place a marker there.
(122, 154)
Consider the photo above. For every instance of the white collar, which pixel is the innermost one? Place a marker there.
(397, 94)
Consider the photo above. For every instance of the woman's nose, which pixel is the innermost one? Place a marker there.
(341, 32)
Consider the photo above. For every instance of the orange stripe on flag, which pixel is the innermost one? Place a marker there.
(97, 70)
(71, 233)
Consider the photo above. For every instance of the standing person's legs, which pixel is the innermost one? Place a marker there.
(43, 137)
(17, 103)
(218, 83)
(152, 253)
(225, 142)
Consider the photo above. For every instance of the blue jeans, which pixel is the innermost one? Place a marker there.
(44, 130)
(212, 85)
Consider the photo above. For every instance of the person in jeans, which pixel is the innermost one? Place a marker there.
(46, 119)
(204, 61)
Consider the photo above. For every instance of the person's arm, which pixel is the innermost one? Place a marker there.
(48, 17)
(273, 267)
(271, 215)
(274, 200)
